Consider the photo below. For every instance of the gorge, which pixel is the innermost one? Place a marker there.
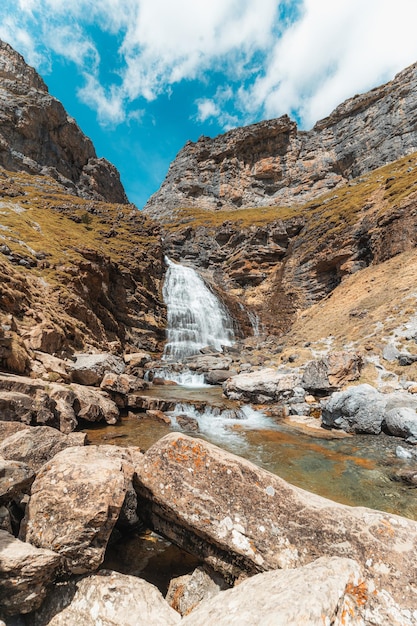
(278, 267)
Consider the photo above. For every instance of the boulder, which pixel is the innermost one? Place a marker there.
(10, 428)
(218, 377)
(207, 362)
(331, 372)
(94, 405)
(330, 590)
(265, 385)
(358, 409)
(241, 519)
(89, 369)
(38, 444)
(186, 592)
(318, 593)
(402, 422)
(15, 478)
(136, 359)
(106, 598)
(25, 572)
(76, 500)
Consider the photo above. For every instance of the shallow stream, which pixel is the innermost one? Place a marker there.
(355, 470)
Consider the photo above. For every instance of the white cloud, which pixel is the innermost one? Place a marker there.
(332, 52)
(305, 64)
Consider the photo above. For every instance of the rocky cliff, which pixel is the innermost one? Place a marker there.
(80, 268)
(273, 163)
(38, 136)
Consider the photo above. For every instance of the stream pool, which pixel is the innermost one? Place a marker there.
(358, 470)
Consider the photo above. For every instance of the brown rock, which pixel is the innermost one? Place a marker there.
(15, 478)
(186, 592)
(76, 501)
(106, 598)
(25, 572)
(243, 520)
(158, 415)
(37, 445)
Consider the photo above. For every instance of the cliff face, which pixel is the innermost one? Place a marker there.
(273, 163)
(37, 135)
(80, 268)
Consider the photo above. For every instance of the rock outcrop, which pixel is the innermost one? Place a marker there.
(243, 520)
(38, 136)
(272, 163)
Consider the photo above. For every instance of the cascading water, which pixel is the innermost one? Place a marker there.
(196, 318)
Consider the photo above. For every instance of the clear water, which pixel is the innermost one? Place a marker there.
(356, 470)
(195, 316)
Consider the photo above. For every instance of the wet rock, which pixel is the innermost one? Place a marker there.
(265, 385)
(106, 598)
(321, 592)
(244, 520)
(402, 422)
(15, 478)
(158, 415)
(186, 592)
(89, 369)
(76, 501)
(205, 363)
(38, 444)
(185, 422)
(358, 409)
(218, 377)
(25, 572)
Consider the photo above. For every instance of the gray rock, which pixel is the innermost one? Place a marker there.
(76, 500)
(25, 572)
(317, 593)
(106, 599)
(402, 422)
(358, 409)
(218, 377)
(390, 353)
(186, 592)
(89, 369)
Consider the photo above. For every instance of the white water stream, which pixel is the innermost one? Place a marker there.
(196, 317)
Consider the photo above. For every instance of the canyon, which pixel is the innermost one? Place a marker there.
(305, 240)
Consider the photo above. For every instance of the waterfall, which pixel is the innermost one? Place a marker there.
(196, 317)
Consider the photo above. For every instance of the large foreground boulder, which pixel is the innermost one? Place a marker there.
(76, 501)
(89, 369)
(25, 572)
(107, 598)
(242, 519)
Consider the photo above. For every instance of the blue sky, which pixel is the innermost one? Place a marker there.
(142, 77)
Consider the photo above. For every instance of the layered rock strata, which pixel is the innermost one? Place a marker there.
(38, 136)
(273, 163)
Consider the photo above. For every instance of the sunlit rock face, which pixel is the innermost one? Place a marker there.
(38, 136)
(273, 162)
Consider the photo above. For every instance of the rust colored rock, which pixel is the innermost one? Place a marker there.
(242, 519)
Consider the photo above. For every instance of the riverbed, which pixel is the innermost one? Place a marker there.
(358, 470)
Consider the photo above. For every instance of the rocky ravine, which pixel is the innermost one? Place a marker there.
(273, 163)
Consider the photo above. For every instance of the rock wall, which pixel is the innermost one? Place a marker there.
(273, 163)
(38, 136)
